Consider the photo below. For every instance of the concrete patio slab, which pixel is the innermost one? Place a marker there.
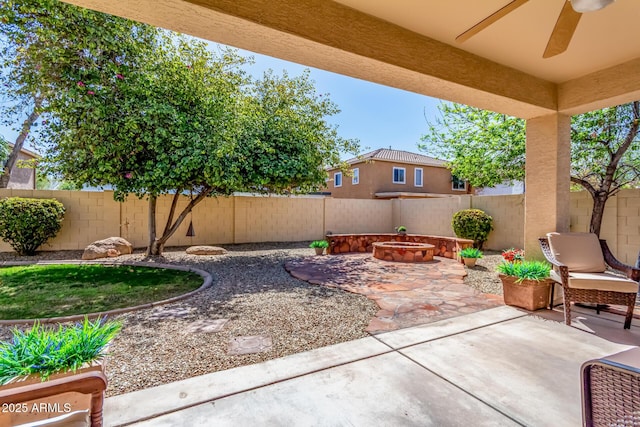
(384, 390)
(497, 367)
(455, 325)
(527, 368)
(142, 404)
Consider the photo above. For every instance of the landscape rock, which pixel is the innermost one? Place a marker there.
(205, 250)
(107, 248)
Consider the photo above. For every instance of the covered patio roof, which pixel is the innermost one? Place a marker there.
(411, 45)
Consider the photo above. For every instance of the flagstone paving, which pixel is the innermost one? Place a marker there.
(407, 294)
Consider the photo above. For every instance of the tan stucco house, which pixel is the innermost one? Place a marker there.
(391, 174)
(21, 177)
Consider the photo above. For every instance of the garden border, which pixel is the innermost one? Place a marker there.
(208, 282)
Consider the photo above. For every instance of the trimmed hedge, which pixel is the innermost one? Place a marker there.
(28, 223)
(472, 224)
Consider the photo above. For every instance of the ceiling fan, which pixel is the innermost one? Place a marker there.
(563, 31)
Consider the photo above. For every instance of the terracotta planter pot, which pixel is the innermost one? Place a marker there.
(528, 294)
(469, 262)
(319, 251)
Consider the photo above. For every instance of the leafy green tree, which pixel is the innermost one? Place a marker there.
(187, 121)
(40, 40)
(488, 148)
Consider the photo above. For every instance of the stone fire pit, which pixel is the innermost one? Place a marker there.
(403, 251)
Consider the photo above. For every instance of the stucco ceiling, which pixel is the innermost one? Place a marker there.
(604, 38)
(410, 44)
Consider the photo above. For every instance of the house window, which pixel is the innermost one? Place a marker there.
(355, 179)
(417, 177)
(458, 184)
(337, 179)
(398, 175)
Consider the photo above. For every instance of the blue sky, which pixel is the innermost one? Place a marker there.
(378, 116)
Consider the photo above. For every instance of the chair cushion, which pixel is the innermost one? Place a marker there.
(579, 251)
(599, 281)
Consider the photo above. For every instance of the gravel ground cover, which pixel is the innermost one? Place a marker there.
(258, 297)
(253, 291)
(483, 276)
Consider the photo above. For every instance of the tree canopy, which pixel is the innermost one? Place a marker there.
(40, 41)
(184, 120)
(488, 148)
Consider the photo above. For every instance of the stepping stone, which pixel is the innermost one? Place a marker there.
(170, 313)
(205, 250)
(207, 325)
(249, 345)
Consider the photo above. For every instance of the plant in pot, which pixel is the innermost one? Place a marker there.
(470, 255)
(319, 246)
(513, 255)
(401, 229)
(41, 363)
(525, 284)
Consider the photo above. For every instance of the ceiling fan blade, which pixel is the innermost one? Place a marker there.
(563, 31)
(490, 20)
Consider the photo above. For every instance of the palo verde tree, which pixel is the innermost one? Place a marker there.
(40, 41)
(488, 148)
(188, 121)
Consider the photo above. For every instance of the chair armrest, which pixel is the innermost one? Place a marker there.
(548, 254)
(631, 272)
(93, 383)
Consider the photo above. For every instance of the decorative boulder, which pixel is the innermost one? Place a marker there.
(206, 250)
(107, 248)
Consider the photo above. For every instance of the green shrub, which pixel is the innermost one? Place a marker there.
(533, 270)
(472, 224)
(319, 244)
(28, 223)
(47, 351)
(471, 253)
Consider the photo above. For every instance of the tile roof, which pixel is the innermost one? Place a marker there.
(399, 156)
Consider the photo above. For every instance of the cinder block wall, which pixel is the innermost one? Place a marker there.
(358, 216)
(89, 216)
(278, 219)
(429, 216)
(95, 215)
(508, 220)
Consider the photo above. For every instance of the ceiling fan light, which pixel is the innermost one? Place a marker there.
(584, 6)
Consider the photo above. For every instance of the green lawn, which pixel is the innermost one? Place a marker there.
(60, 290)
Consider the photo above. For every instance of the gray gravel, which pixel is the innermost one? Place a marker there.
(252, 290)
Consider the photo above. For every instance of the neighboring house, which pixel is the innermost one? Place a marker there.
(390, 174)
(22, 178)
(516, 187)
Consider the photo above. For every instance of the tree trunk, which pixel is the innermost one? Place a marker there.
(599, 201)
(13, 157)
(154, 247)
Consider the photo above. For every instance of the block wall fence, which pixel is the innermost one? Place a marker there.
(240, 219)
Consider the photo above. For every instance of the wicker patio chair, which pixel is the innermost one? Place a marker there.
(611, 390)
(579, 264)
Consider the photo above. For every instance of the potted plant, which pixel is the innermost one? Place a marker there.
(525, 284)
(319, 246)
(513, 255)
(401, 230)
(470, 255)
(44, 362)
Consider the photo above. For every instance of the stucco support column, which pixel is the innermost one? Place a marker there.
(547, 184)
